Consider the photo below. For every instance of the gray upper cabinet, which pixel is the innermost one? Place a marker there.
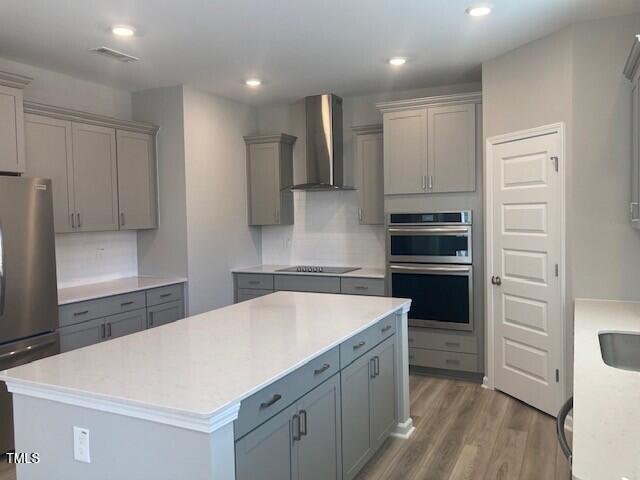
(103, 170)
(136, 180)
(405, 151)
(269, 176)
(95, 177)
(12, 157)
(48, 149)
(369, 174)
(632, 72)
(430, 144)
(451, 148)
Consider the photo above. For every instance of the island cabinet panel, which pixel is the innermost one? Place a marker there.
(383, 392)
(164, 313)
(137, 198)
(268, 451)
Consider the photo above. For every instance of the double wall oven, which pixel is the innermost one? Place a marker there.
(429, 260)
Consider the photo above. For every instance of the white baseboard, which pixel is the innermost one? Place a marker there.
(486, 384)
(404, 430)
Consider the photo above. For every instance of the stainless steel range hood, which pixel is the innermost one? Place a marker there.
(325, 164)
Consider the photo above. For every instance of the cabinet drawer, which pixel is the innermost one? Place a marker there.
(170, 293)
(254, 280)
(449, 342)
(299, 283)
(102, 307)
(261, 406)
(364, 341)
(249, 293)
(362, 286)
(447, 360)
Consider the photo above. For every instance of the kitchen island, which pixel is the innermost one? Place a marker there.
(286, 385)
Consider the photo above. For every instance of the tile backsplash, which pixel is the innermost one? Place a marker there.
(95, 257)
(326, 231)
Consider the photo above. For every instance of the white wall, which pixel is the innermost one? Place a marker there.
(83, 257)
(218, 237)
(326, 228)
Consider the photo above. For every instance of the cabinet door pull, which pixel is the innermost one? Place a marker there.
(165, 295)
(359, 345)
(124, 304)
(295, 427)
(102, 331)
(323, 368)
(109, 329)
(452, 361)
(386, 328)
(83, 312)
(79, 222)
(271, 401)
(452, 344)
(430, 182)
(254, 282)
(303, 422)
(362, 287)
(122, 222)
(372, 368)
(376, 364)
(73, 222)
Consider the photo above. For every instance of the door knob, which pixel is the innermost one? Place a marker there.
(496, 280)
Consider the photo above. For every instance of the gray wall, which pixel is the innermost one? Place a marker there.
(163, 251)
(215, 159)
(575, 76)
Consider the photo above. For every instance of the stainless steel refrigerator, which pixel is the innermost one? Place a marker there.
(28, 287)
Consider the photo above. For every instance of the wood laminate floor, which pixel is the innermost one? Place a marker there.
(463, 432)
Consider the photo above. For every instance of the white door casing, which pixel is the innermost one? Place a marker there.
(525, 248)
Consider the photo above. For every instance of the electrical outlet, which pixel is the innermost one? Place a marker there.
(81, 444)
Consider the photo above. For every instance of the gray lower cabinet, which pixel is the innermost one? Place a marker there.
(249, 294)
(81, 335)
(125, 323)
(368, 405)
(164, 313)
(302, 442)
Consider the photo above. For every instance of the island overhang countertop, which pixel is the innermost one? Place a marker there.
(195, 372)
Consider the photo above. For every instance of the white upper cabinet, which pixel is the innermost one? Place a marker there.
(368, 174)
(632, 72)
(12, 122)
(430, 144)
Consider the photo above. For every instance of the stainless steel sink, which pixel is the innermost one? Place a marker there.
(620, 349)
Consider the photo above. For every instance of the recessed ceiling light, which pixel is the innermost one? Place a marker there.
(123, 30)
(479, 11)
(253, 82)
(397, 61)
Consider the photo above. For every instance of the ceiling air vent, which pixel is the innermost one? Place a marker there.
(110, 52)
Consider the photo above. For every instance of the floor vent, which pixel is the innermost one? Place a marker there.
(110, 52)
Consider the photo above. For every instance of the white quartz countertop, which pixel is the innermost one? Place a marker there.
(204, 364)
(273, 269)
(91, 291)
(606, 408)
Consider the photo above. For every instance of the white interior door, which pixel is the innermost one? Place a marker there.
(526, 287)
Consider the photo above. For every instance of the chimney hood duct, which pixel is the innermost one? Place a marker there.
(325, 164)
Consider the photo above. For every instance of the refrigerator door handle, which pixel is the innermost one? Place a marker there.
(3, 286)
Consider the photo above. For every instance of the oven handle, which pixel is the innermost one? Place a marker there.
(421, 269)
(430, 230)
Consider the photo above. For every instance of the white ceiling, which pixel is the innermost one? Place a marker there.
(298, 47)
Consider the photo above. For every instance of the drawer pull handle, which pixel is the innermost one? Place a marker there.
(452, 344)
(323, 368)
(124, 304)
(452, 361)
(362, 287)
(165, 295)
(386, 328)
(270, 402)
(254, 282)
(83, 312)
(359, 345)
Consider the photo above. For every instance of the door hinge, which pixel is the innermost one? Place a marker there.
(557, 375)
(555, 162)
(556, 269)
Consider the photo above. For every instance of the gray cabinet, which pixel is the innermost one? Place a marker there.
(451, 135)
(125, 323)
(95, 180)
(632, 72)
(12, 157)
(48, 146)
(302, 442)
(103, 170)
(368, 405)
(137, 199)
(269, 174)
(369, 174)
(81, 335)
(164, 313)
(430, 144)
